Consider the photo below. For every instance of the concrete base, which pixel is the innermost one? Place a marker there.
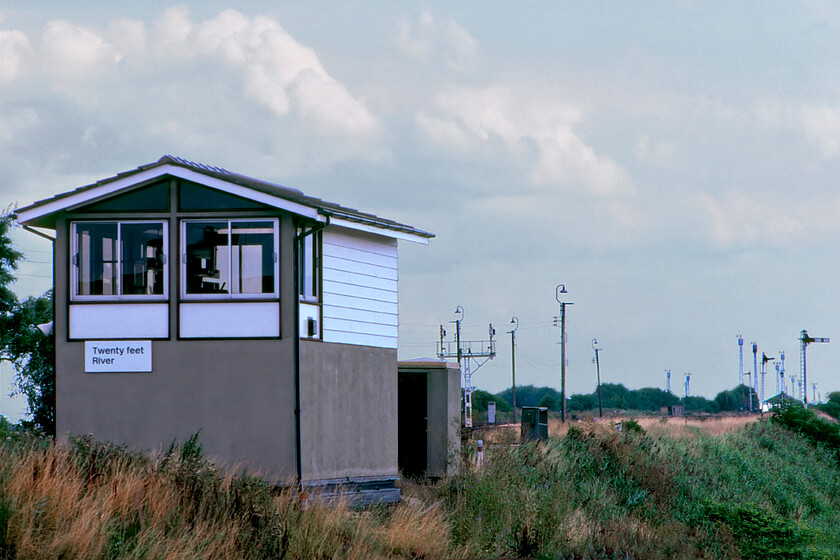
(355, 493)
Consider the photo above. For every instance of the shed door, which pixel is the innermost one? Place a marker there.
(412, 403)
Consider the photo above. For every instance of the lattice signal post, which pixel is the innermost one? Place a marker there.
(467, 352)
(805, 340)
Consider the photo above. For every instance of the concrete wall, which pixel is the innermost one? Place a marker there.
(348, 411)
(238, 393)
(443, 413)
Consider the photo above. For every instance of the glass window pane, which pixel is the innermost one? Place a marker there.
(208, 261)
(96, 246)
(141, 255)
(252, 257)
(308, 265)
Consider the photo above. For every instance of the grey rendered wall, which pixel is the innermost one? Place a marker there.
(348, 411)
(238, 393)
(443, 412)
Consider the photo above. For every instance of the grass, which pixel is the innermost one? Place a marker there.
(758, 490)
(88, 499)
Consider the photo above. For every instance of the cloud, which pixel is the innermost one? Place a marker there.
(819, 124)
(14, 50)
(72, 51)
(537, 130)
(822, 126)
(129, 38)
(651, 152)
(280, 74)
(737, 219)
(432, 41)
(181, 85)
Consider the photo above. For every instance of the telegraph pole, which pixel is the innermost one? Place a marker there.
(458, 311)
(755, 374)
(514, 321)
(598, 373)
(561, 289)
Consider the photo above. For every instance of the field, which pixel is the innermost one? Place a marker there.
(731, 487)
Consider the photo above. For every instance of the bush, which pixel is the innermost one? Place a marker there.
(803, 421)
(761, 534)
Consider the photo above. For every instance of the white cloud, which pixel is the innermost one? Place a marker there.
(447, 133)
(71, 50)
(822, 126)
(174, 60)
(819, 124)
(129, 37)
(172, 31)
(432, 41)
(279, 73)
(652, 152)
(738, 219)
(537, 130)
(14, 49)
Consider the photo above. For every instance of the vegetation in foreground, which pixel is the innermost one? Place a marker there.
(769, 490)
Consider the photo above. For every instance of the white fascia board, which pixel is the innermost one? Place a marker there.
(384, 232)
(84, 197)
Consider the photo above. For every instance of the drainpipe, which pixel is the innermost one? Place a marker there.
(296, 283)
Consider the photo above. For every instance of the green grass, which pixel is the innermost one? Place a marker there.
(761, 492)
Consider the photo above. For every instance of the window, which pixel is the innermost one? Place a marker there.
(230, 258)
(309, 283)
(118, 260)
(309, 277)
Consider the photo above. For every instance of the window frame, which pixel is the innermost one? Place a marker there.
(75, 265)
(185, 296)
(310, 262)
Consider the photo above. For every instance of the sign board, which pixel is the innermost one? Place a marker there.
(491, 412)
(118, 356)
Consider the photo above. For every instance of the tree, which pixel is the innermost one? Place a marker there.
(33, 355)
(21, 342)
(734, 399)
(481, 398)
(700, 404)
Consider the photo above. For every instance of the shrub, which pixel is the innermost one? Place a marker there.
(761, 534)
(803, 421)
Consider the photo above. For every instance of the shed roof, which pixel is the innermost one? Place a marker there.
(44, 212)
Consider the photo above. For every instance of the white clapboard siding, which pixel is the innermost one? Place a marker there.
(360, 289)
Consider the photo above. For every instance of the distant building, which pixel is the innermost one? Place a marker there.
(672, 410)
(192, 299)
(777, 400)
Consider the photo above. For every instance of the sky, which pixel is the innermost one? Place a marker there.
(672, 164)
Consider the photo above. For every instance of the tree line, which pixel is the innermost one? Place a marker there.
(615, 396)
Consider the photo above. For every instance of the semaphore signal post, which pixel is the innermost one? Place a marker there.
(466, 352)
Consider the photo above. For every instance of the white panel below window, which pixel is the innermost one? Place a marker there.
(310, 320)
(119, 320)
(230, 320)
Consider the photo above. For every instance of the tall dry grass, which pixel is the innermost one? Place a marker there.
(92, 500)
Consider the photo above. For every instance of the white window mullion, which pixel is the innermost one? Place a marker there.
(118, 263)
